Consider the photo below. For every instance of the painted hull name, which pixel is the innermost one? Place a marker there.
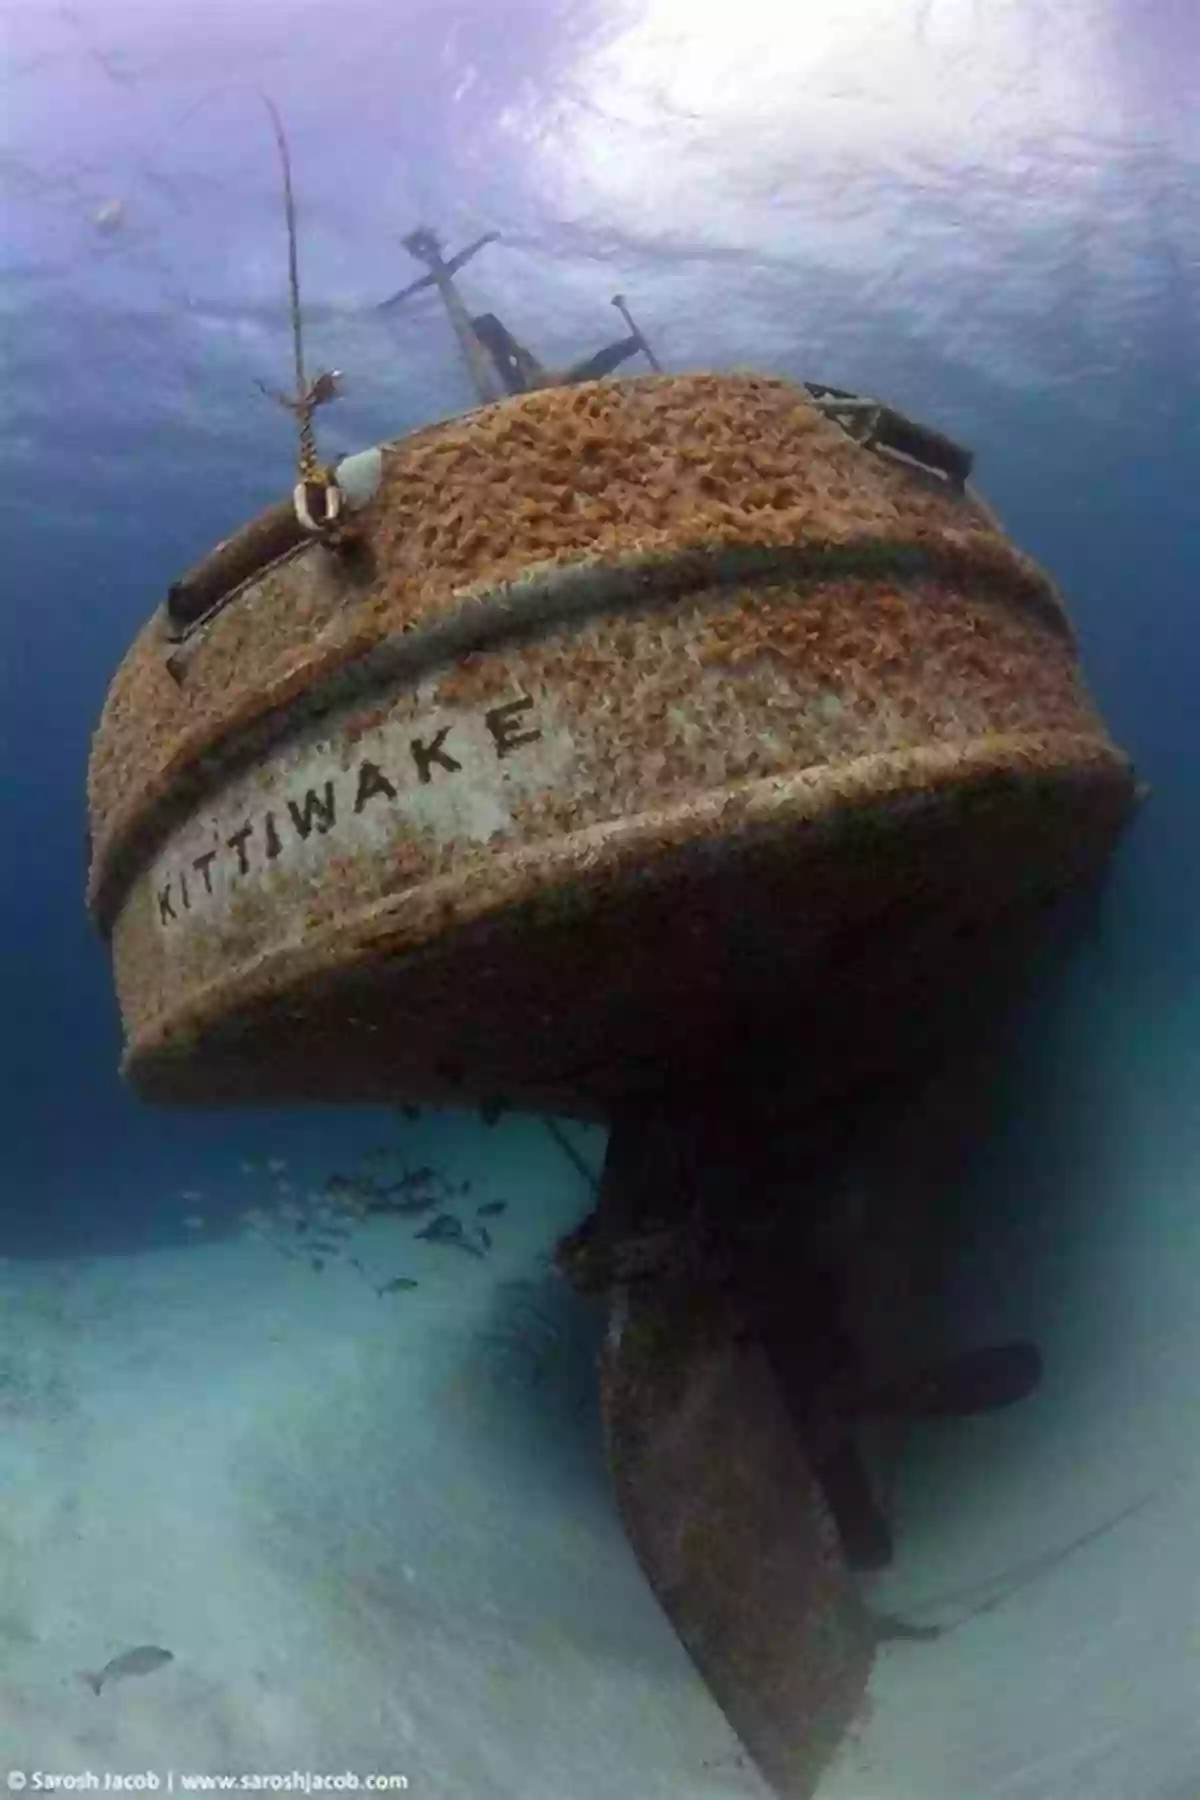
(404, 767)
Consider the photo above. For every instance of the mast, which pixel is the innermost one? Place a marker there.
(426, 247)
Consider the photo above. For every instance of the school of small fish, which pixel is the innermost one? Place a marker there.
(319, 1227)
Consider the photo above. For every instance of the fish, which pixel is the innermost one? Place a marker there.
(109, 217)
(484, 1236)
(446, 1229)
(398, 1284)
(408, 1111)
(414, 1178)
(411, 1208)
(364, 1187)
(143, 1659)
(192, 1194)
(276, 1165)
(351, 1190)
(248, 1168)
(889, 1630)
(491, 1209)
(194, 1222)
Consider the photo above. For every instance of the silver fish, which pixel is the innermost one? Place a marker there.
(143, 1659)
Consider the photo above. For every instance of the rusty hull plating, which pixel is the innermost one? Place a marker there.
(657, 727)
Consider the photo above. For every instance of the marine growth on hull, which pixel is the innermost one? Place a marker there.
(639, 729)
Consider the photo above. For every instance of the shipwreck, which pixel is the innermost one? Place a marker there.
(691, 752)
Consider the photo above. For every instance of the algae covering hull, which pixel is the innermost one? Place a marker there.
(654, 731)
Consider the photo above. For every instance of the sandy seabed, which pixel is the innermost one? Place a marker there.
(373, 1530)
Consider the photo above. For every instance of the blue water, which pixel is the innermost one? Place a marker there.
(988, 216)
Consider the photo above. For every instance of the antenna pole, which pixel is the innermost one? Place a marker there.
(317, 498)
(618, 301)
(289, 203)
